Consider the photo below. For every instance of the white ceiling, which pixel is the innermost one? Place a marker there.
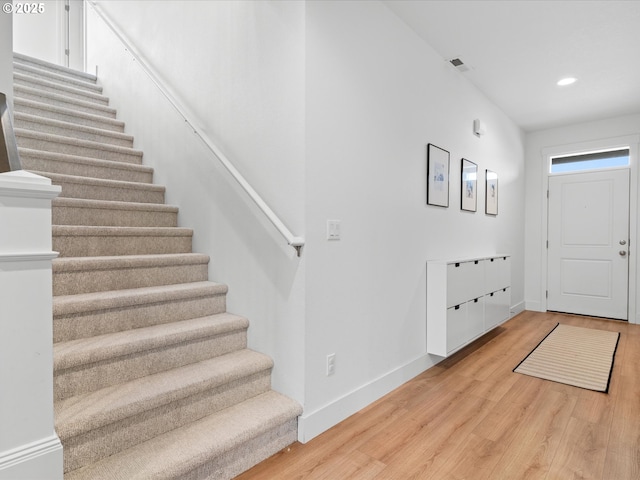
(518, 50)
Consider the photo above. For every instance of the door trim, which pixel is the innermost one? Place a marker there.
(630, 141)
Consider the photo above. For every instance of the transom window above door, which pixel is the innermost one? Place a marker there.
(590, 161)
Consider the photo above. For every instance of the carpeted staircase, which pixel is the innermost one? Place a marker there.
(152, 376)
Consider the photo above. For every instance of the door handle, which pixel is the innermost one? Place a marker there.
(623, 242)
(623, 253)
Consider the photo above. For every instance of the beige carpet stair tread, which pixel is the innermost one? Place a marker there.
(90, 364)
(141, 192)
(119, 434)
(176, 453)
(82, 413)
(78, 274)
(56, 77)
(97, 349)
(111, 213)
(62, 100)
(90, 241)
(43, 64)
(101, 263)
(70, 304)
(73, 146)
(93, 231)
(61, 163)
(101, 181)
(113, 205)
(86, 315)
(67, 114)
(57, 127)
(61, 89)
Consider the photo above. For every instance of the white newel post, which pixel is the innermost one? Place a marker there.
(29, 446)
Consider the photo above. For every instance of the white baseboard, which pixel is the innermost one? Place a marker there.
(517, 308)
(40, 460)
(314, 423)
(534, 306)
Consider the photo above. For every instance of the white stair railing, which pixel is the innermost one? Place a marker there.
(9, 158)
(295, 241)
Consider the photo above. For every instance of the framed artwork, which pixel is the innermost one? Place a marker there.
(437, 176)
(469, 186)
(491, 203)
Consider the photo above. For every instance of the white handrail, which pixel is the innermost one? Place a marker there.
(293, 240)
(9, 157)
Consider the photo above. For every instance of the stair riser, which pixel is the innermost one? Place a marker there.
(61, 89)
(249, 454)
(112, 218)
(88, 324)
(57, 78)
(83, 168)
(69, 131)
(95, 122)
(69, 283)
(65, 102)
(72, 74)
(79, 150)
(95, 192)
(105, 441)
(106, 245)
(92, 377)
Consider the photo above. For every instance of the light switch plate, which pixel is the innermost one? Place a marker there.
(333, 229)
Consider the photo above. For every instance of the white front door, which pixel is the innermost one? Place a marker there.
(588, 254)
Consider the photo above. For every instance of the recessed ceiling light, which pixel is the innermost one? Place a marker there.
(566, 81)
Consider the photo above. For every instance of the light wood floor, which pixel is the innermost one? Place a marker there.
(470, 417)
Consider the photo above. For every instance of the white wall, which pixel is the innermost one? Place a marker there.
(239, 67)
(327, 108)
(41, 35)
(535, 143)
(376, 96)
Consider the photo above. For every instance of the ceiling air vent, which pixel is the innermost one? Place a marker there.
(459, 64)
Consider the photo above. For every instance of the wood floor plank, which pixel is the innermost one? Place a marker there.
(475, 459)
(410, 430)
(437, 442)
(524, 389)
(495, 387)
(625, 425)
(348, 466)
(471, 418)
(596, 407)
(581, 452)
(538, 437)
(503, 421)
(620, 466)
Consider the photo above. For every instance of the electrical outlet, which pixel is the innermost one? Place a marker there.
(331, 364)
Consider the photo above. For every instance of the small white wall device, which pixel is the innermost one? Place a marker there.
(479, 128)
